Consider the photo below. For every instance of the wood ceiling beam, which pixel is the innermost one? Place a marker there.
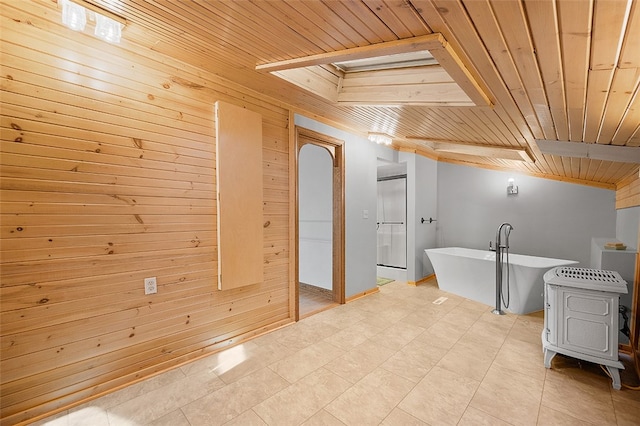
(595, 151)
(478, 150)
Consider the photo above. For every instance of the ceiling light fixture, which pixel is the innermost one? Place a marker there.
(380, 138)
(74, 16)
(108, 25)
(107, 29)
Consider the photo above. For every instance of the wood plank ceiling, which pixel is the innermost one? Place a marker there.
(560, 70)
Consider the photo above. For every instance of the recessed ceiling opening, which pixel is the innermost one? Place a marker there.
(419, 71)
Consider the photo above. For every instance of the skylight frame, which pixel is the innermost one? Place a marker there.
(460, 88)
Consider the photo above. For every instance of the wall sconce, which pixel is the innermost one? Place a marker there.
(512, 188)
(380, 138)
(108, 25)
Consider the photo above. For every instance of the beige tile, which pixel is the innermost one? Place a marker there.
(415, 360)
(255, 358)
(577, 392)
(463, 317)
(440, 398)
(304, 334)
(466, 361)
(235, 354)
(384, 316)
(94, 416)
(397, 417)
(485, 348)
(234, 399)
(510, 396)
(528, 329)
(353, 335)
(323, 418)
(474, 417)
(174, 418)
(248, 418)
(341, 317)
(303, 362)
(549, 416)
(370, 400)
(504, 322)
(360, 361)
(627, 410)
(442, 334)
(115, 420)
(472, 305)
(397, 335)
(424, 317)
(233, 363)
(523, 357)
(373, 303)
(490, 329)
(376, 322)
(298, 402)
(87, 414)
(159, 402)
(130, 392)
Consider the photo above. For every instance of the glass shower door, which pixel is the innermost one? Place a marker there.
(392, 222)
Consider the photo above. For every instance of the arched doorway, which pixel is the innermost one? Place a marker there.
(319, 221)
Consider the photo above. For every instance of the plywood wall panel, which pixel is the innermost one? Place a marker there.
(108, 177)
(628, 192)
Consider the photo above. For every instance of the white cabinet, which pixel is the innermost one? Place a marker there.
(581, 316)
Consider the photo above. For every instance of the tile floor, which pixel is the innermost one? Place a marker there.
(391, 358)
(314, 299)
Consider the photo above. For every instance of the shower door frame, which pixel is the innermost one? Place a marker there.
(405, 223)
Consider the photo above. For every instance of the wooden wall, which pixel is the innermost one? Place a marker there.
(628, 192)
(108, 177)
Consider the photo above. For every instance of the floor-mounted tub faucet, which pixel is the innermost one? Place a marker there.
(501, 249)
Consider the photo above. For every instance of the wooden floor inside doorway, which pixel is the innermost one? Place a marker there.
(314, 299)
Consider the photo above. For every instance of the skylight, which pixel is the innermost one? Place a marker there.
(387, 62)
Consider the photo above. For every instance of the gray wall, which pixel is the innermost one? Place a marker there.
(550, 218)
(315, 216)
(426, 207)
(360, 196)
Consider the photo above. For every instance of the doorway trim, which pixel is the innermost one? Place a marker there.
(335, 147)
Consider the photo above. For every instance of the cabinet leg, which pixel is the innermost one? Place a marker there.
(548, 356)
(615, 376)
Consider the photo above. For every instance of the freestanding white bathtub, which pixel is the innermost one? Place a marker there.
(471, 274)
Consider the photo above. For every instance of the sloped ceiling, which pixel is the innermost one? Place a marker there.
(554, 70)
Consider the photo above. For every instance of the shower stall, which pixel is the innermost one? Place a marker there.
(392, 222)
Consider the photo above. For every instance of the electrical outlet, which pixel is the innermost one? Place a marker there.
(150, 286)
